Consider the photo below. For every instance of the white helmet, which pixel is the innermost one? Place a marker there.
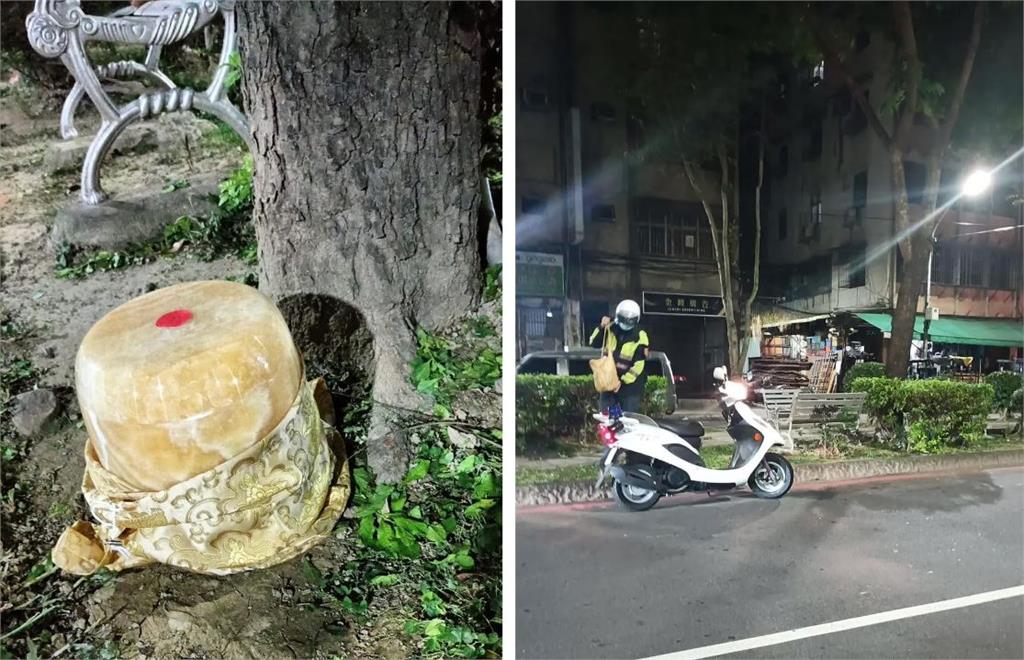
(627, 314)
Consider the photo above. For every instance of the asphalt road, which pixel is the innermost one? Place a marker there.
(594, 581)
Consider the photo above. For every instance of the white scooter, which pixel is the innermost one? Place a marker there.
(648, 458)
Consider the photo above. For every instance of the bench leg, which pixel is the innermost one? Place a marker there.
(123, 70)
(146, 107)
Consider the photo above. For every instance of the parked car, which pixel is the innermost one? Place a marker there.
(576, 362)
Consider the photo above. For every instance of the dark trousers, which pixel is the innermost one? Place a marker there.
(628, 398)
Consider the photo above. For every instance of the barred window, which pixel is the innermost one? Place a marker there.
(679, 230)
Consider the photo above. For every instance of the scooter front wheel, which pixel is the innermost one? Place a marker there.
(773, 477)
(635, 498)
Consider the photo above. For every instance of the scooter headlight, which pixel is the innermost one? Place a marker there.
(735, 390)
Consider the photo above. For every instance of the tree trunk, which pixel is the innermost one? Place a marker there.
(725, 240)
(916, 249)
(366, 120)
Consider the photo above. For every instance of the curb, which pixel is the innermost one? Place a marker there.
(574, 492)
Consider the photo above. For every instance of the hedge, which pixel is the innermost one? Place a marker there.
(1005, 383)
(925, 415)
(560, 407)
(862, 370)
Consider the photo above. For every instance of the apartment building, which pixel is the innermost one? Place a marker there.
(829, 233)
(596, 224)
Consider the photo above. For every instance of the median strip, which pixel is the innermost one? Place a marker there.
(579, 490)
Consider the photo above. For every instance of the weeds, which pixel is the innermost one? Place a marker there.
(432, 542)
(492, 283)
(438, 371)
(227, 231)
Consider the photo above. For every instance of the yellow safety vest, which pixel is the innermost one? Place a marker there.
(624, 359)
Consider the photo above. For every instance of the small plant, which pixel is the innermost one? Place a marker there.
(492, 283)
(1004, 384)
(555, 407)
(177, 184)
(863, 370)
(236, 190)
(234, 75)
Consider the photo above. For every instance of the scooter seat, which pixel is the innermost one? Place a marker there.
(684, 427)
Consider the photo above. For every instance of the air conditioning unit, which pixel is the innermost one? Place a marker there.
(931, 313)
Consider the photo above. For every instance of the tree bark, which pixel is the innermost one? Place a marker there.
(366, 120)
(725, 241)
(916, 241)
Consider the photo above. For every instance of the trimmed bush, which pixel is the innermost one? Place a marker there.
(1005, 383)
(926, 415)
(863, 370)
(560, 407)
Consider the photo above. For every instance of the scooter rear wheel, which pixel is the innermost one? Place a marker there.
(634, 498)
(772, 478)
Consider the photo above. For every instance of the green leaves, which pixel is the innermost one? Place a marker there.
(492, 281)
(556, 408)
(440, 372)
(417, 472)
(924, 415)
(454, 641)
(226, 231)
(236, 190)
(234, 74)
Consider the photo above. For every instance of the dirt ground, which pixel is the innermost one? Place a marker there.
(154, 612)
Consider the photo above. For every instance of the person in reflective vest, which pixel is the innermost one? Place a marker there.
(629, 346)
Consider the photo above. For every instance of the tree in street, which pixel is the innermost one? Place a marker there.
(931, 67)
(701, 70)
(368, 121)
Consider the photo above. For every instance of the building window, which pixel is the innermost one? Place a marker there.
(677, 230)
(602, 213)
(812, 150)
(973, 267)
(1005, 271)
(531, 205)
(535, 95)
(862, 40)
(855, 120)
(783, 226)
(944, 265)
(860, 190)
(914, 176)
(816, 209)
(603, 112)
(818, 73)
(853, 273)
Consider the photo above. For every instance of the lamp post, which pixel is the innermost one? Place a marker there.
(978, 182)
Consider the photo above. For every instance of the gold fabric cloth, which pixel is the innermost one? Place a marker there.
(264, 506)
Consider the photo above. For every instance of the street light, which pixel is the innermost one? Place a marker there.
(976, 183)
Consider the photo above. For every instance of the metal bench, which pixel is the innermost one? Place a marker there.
(779, 405)
(60, 28)
(815, 408)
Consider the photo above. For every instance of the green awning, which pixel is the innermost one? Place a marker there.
(954, 330)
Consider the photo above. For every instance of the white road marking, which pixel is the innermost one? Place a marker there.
(839, 626)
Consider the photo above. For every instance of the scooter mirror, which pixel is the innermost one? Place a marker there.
(720, 373)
